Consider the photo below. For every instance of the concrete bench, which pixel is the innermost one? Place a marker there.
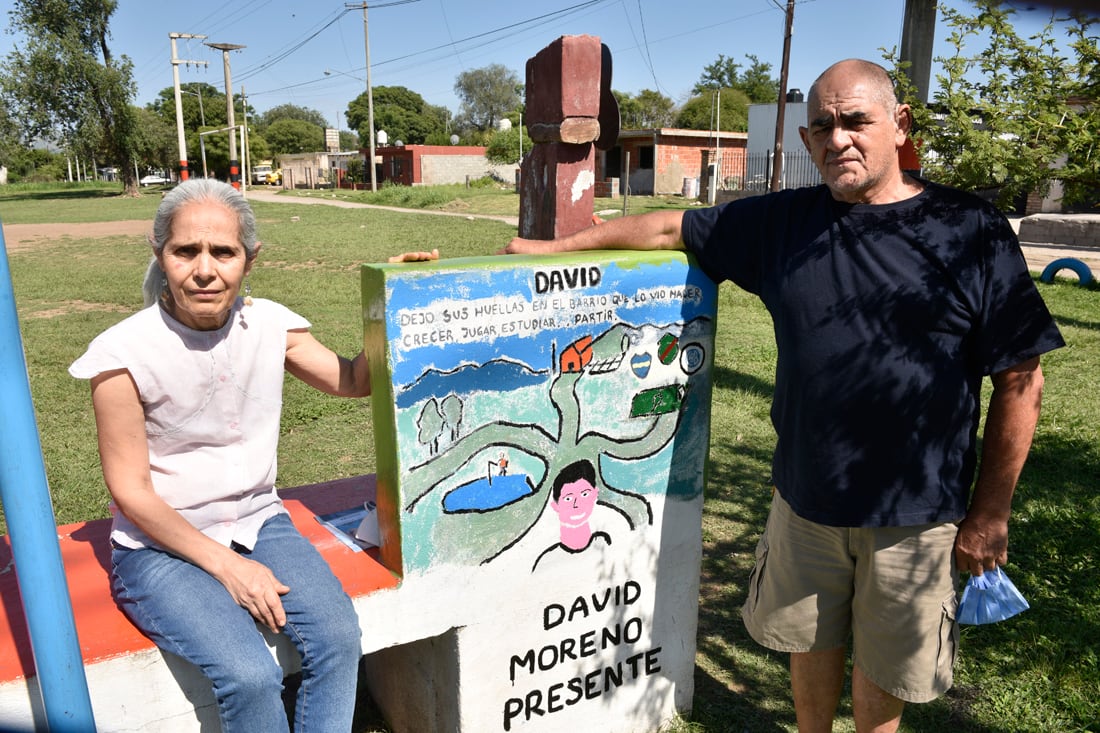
(133, 685)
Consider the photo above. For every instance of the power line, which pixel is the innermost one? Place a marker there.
(271, 61)
(484, 38)
(645, 39)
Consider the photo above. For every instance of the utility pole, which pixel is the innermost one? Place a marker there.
(184, 173)
(234, 162)
(370, 96)
(917, 34)
(781, 108)
(247, 152)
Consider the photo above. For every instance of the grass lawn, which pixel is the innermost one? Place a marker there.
(1037, 672)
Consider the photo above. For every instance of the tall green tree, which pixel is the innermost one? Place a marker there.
(292, 112)
(203, 106)
(156, 145)
(1080, 172)
(401, 112)
(64, 84)
(756, 82)
(1006, 115)
(294, 136)
(487, 95)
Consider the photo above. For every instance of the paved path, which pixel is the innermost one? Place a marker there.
(321, 197)
(1038, 255)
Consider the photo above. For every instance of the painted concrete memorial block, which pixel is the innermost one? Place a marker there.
(542, 427)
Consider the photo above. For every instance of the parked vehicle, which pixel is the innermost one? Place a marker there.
(275, 177)
(153, 180)
(260, 173)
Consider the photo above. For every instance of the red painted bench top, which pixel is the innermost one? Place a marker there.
(105, 632)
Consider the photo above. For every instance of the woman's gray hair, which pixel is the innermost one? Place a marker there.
(188, 192)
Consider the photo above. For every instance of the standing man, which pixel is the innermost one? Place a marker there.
(892, 298)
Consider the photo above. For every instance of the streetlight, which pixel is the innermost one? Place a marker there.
(202, 114)
(370, 103)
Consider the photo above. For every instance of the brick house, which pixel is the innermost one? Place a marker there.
(661, 159)
(432, 165)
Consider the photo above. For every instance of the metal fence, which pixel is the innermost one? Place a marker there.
(798, 170)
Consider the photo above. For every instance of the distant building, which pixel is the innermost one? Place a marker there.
(315, 170)
(433, 165)
(798, 169)
(672, 160)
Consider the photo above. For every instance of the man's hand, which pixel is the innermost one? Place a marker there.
(415, 257)
(982, 544)
(521, 246)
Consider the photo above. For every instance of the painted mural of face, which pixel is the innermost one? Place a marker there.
(576, 503)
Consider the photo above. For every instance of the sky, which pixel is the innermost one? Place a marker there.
(425, 44)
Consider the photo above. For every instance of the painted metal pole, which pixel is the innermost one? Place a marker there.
(32, 529)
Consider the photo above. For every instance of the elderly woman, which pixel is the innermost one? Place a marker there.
(187, 395)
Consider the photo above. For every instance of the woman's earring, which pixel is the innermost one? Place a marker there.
(247, 293)
(164, 289)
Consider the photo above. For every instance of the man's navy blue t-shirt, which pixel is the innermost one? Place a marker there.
(886, 319)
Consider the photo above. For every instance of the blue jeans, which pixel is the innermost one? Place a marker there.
(185, 611)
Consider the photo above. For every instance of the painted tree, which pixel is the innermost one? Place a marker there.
(64, 84)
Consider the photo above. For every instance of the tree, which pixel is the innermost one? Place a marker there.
(648, 110)
(1080, 172)
(757, 82)
(356, 172)
(156, 145)
(349, 140)
(732, 114)
(294, 136)
(1002, 117)
(401, 112)
(11, 141)
(505, 146)
(487, 94)
(290, 112)
(203, 106)
(66, 85)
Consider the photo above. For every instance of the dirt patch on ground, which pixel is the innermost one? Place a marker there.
(21, 237)
(73, 306)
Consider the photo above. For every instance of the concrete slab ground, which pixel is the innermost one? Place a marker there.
(1039, 254)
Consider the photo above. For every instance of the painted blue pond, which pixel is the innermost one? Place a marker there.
(486, 494)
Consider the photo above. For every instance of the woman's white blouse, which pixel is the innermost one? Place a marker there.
(212, 402)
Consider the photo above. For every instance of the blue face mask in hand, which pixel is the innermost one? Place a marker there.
(988, 598)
